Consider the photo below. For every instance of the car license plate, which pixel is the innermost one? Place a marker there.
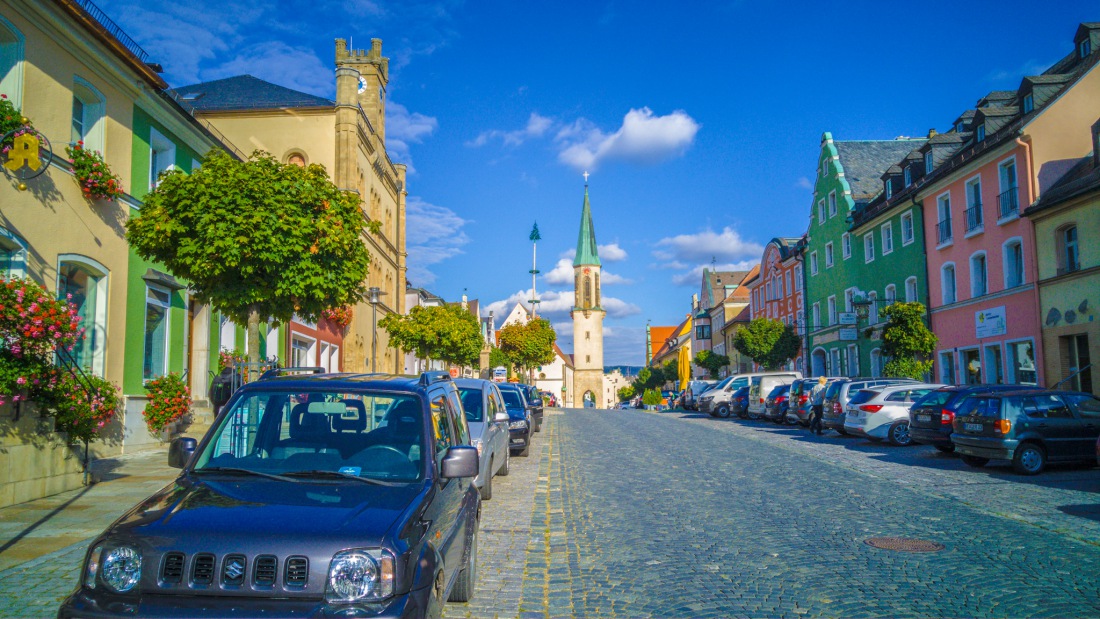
(973, 427)
(924, 417)
(853, 413)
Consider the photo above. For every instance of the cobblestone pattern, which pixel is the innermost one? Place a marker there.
(36, 588)
(650, 515)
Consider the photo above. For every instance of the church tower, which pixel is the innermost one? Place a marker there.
(587, 315)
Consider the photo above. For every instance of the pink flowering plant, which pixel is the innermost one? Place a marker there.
(339, 316)
(11, 120)
(96, 179)
(169, 401)
(75, 413)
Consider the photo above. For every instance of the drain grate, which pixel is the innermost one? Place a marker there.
(903, 544)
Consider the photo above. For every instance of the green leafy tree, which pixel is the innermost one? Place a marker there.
(625, 393)
(651, 397)
(443, 332)
(257, 239)
(497, 358)
(528, 345)
(642, 379)
(711, 362)
(907, 341)
(671, 371)
(768, 342)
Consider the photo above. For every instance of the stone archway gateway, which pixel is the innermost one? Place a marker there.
(589, 399)
(817, 363)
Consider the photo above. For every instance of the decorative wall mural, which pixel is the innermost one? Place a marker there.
(1082, 313)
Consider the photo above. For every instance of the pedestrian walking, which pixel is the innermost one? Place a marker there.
(817, 410)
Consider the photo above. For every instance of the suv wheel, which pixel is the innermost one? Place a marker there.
(487, 485)
(503, 472)
(464, 584)
(1029, 459)
(975, 461)
(723, 411)
(899, 434)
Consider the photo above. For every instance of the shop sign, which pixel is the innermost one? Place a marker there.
(990, 322)
(26, 154)
(846, 318)
(849, 334)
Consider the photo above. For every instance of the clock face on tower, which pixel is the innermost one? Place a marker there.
(362, 84)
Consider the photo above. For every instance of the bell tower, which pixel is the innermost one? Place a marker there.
(587, 314)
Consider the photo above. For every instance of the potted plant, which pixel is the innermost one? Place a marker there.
(95, 177)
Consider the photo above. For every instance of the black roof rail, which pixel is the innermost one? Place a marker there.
(272, 373)
(428, 378)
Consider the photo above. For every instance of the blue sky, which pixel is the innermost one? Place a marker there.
(699, 122)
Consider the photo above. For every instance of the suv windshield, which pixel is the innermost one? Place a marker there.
(358, 434)
(471, 403)
(512, 399)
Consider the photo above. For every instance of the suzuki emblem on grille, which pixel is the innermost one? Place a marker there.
(234, 569)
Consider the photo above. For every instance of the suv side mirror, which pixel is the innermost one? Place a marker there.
(460, 461)
(501, 417)
(180, 451)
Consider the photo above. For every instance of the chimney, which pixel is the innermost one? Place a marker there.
(932, 133)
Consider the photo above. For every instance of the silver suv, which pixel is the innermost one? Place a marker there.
(840, 391)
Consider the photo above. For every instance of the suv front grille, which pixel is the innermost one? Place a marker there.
(263, 573)
(233, 570)
(297, 571)
(171, 571)
(202, 570)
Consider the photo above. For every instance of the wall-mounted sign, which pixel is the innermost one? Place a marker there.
(846, 318)
(990, 322)
(849, 334)
(26, 153)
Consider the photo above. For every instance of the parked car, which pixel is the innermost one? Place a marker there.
(521, 427)
(776, 404)
(723, 398)
(883, 412)
(801, 402)
(534, 410)
(695, 388)
(534, 400)
(715, 396)
(488, 420)
(931, 417)
(760, 386)
(306, 497)
(838, 392)
(739, 401)
(1028, 427)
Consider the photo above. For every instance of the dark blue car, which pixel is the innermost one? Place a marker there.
(333, 495)
(520, 424)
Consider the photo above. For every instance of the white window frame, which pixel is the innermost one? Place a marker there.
(872, 311)
(849, 297)
(979, 133)
(907, 217)
(167, 325)
(832, 203)
(1029, 103)
(311, 349)
(813, 263)
(974, 292)
(876, 362)
(160, 149)
(869, 247)
(891, 294)
(1016, 240)
(1010, 368)
(798, 277)
(17, 250)
(12, 53)
(887, 231)
(943, 213)
(821, 211)
(99, 318)
(969, 193)
(1001, 165)
(947, 354)
(954, 283)
(846, 245)
(889, 187)
(911, 285)
(829, 255)
(831, 301)
(988, 375)
(928, 162)
(816, 315)
(907, 176)
(95, 115)
(824, 167)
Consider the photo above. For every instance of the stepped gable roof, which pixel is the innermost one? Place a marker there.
(245, 92)
(1084, 177)
(865, 160)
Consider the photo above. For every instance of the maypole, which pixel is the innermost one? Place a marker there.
(535, 238)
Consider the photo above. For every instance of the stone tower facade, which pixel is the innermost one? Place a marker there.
(587, 315)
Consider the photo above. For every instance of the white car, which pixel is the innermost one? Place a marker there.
(883, 411)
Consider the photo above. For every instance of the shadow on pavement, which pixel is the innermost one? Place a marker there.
(43, 520)
(1091, 512)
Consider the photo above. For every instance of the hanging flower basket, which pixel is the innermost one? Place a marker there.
(11, 120)
(339, 316)
(95, 177)
(169, 401)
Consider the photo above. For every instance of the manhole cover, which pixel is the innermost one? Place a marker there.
(903, 544)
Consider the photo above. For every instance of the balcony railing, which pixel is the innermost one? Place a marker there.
(111, 27)
(1009, 203)
(943, 231)
(974, 217)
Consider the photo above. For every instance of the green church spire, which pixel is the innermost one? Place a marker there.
(586, 241)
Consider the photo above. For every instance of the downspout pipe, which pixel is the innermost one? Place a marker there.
(1024, 141)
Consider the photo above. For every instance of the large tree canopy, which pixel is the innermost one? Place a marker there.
(444, 332)
(711, 362)
(528, 345)
(768, 342)
(907, 341)
(258, 239)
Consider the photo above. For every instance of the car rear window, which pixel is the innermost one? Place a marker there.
(1046, 406)
(980, 406)
(512, 398)
(936, 399)
(864, 395)
(833, 389)
(796, 387)
(471, 403)
(1087, 406)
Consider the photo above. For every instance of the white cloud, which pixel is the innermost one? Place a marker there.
(435, 234)
(695, 275)
(803, 183)
(726, 245)
(562, 273)
(611, 252)
(555, 305)
(298, 68)
(404, 128)
(537, 126)
(643, 138)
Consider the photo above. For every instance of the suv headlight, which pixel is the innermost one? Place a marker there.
(119, 568)
(517, 425)
(360, 575)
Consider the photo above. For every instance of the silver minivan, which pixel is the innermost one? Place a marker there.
(760, 385)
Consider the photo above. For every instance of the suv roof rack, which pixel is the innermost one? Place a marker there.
(272, 373)
(428, 378)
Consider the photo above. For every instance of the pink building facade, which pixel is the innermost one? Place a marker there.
(778, 292)
(981, 272)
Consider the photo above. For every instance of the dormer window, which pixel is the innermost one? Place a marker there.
(981, 132)
(960, 127)
(1084, 48)
(908, 177)
(1029, 102)
(928, 162)
(889, 188)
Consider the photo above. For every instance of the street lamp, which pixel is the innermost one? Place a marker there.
(373, 294)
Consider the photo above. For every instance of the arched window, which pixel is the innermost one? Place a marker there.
(910, 289)
(947, 282)
(84, 283)
(298, 158)
(1069, 257)
(587, 291)
(11, 63)
(873, 310)
(577, 290)
(89, 110)
(597, 289)
(13, 255)
(891, 294)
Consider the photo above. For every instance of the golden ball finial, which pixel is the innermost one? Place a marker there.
(21, 186)
(25, 120)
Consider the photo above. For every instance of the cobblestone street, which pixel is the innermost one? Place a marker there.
(632, 514)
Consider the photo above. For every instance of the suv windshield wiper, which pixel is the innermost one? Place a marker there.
(229, 469)
(335, 474)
